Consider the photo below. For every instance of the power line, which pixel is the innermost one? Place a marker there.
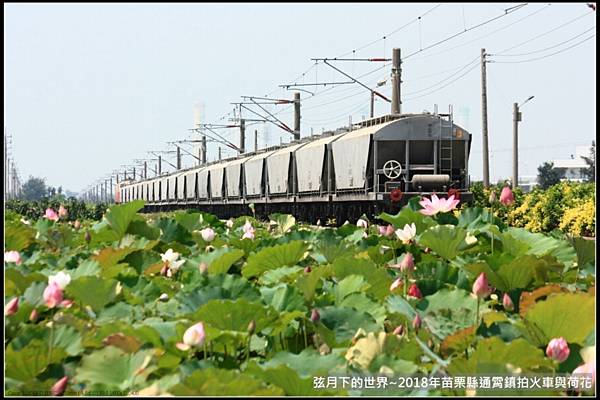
(547, 48)
(443, 80)
(483, 36)
(547, 55)
(446, 85)
(506, 12)
(544, 34)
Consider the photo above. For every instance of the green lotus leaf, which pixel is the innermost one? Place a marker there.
(444, 240)
(119, 216)
(220, 382)
(93, 291)
(274, 257)
(114, 368)
(28, 362)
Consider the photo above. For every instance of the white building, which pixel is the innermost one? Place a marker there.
(574, 166)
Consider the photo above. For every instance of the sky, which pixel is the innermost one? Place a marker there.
(91, 87)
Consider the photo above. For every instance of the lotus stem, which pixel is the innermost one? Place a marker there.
(304, 330)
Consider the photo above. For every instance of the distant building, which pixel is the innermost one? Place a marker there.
(573, 167)
(527, 183)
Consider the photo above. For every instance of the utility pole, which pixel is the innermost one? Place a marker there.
(516, 119)
(484, 121)
(242, 134)
(134, 176)
(203, 149)
(396, 81)
(256, 140)
(159, 165)
(372, 113)
(297, 116)
(112, 197)
(145, 170)
(178, 158)
(219, 153)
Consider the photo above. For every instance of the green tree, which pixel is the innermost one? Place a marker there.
(590, 171)
(548, 175)
(33, 189)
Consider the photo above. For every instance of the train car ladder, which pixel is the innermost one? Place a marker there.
(446, 140)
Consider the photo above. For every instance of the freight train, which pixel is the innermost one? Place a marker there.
(366, 168)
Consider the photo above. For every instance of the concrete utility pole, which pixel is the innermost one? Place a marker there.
(396, 81)
(145, 170)
(484, 122)
(372, 113)
(134, 176)
(219, 153)
(112, 194)
(178, 158)
(296, 116)
(159, 165)
(242, 135)
(516, 119)
(203, 149)
(256, 140)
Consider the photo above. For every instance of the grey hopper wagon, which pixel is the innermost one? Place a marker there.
(344, 174)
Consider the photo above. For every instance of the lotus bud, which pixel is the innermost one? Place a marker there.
(507, 302)
(66, 303)
(59, 387)
(163, 297)
(318, 222)
(558, 349)
(307, 270)
(481, 288)
(194, 335)
(203, 268)
(62, 212)
(77, 224)
(34, 315)
(207, 234)
(396, 284)
(324, 349)
(251, 327)
(493, 197)
(407, 264)
(315, 316)
(88, 236)
(416, 322)
(507, 197)
(414, 291)
(53, 295)
(229, 223)
(399, 330)
(11, 307)
(426, 250)
(361, 223)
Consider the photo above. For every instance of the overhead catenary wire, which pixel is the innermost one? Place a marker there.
(547, 55)
(547, 48)
(543, 34)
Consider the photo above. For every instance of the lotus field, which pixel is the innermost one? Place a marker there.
(183, 303)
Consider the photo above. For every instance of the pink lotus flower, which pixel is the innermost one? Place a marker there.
(399, 330)
(481, 288)
(507, 302)
(193, 337)
(207, 234)
(11, 307)
(506, 197)
(558, 349)
(361, 223)
(249, 234)
(51, 215)
(436, 205)
(62, 212)
(587, 368)
(66, 303)
(53, 295)
(386, 230)
(416, 322)
(414, 291)
(407, 265)
(12, 256)
(59, 387)
(396, 284)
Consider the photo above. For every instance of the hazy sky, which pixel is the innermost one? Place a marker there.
(88, 87)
